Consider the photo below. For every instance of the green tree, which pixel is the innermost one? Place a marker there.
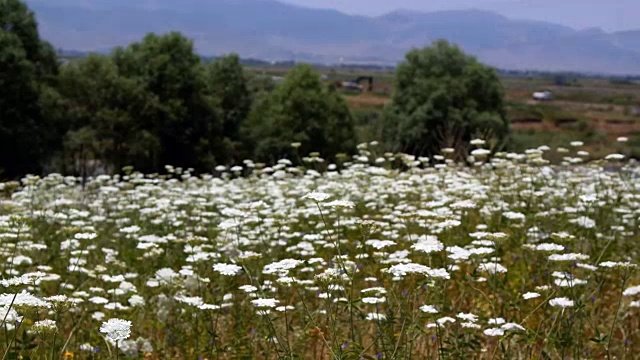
(102, 109)
(228, 84)
(180, 112)
(28, 66)
(443, 98)
(300, 110)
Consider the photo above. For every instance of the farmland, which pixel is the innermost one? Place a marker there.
(385, 256)
(595, 109)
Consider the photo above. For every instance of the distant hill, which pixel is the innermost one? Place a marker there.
(268, 29)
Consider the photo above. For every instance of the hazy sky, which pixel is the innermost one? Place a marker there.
(611, 15)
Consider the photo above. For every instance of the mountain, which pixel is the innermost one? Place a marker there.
(273, 30)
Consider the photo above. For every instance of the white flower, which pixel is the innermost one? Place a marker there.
(281, 266)
(513, 326)
(373, 300)
(99, 300)
(458, 253)
(568, 257)
(562, 302)
(570, 282)
(378, 290)
(429, 245)
(511, 215)
(614, 157)
(116, 329)
(227, 269)
(530, 295)
(614, 264)
(631, 291)
(9, 315)
(136, 301)
(209, 307)
(587, 266)
(376, 316)
(317, 196)
(470, 325)
(492, 268)
(26, 279)
(44, 326)
(379, 244)
(445, 319)
(265, 303)
(189, 300)
(412, 268)
(494, 332)
(23, 299)
(248, 288)
(480, 152)
(429, 309)
(340, 203)
(285, 308)
(549, 247)
(468, 317)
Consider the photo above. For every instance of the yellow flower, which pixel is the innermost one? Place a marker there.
(68, 355)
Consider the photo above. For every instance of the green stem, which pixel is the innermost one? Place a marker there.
(615, 318)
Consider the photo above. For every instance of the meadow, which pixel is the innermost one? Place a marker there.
(382, 256)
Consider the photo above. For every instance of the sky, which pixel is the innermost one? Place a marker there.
(612, 15)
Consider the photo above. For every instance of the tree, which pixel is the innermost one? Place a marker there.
(27, 67)
(179, 110)
(443, 98)
(102, 109)
(228, 84)
(300, 110)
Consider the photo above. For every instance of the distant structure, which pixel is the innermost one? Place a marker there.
(368, 79)
(355, 84)
(542, 96)
(351, 85)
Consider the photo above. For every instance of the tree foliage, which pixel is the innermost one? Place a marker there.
(155, 103)
(179, 112)
(443, 98)
(229, 87)
(27, 68)
(102, 108)
(300, 110)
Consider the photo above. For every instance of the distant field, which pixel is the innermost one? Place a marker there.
(597, 110)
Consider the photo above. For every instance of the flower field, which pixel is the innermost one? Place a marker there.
(383, 257)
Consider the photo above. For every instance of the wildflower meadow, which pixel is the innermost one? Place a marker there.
(379, 256)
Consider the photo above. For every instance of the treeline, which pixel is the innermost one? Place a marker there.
(156, 103)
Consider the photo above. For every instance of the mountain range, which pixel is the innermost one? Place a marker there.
(268, 29)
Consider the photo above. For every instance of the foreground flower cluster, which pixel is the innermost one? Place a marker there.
(386, 256)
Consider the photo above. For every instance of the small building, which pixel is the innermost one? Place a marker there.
(542, 96)
(350, 85)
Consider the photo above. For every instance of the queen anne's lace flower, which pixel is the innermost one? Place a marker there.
(116, 329)
(227, 269)
(562, 302)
